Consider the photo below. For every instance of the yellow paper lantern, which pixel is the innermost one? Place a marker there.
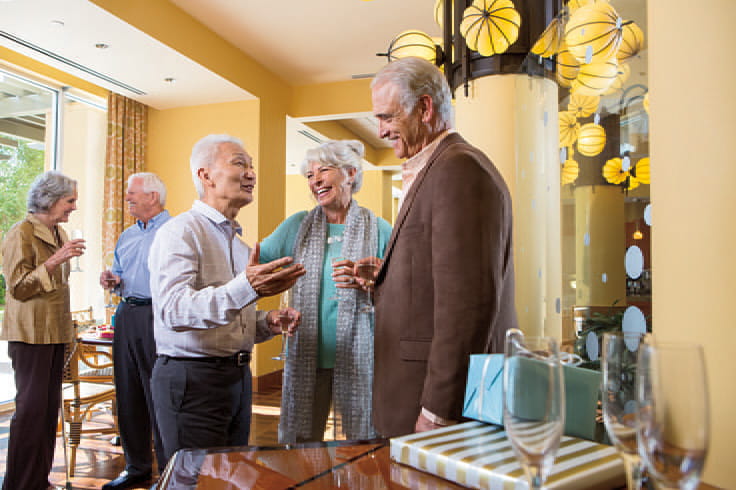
(413, 43)
(549, 42)
(645, 102)
(567, 67)
(568, 128)
(632, 41)
(621, 78)
(642, 171)
(573, 5)
(570, 171)
(591, 139)
(613, 172)
(633, 182)
(595, 78)
(583, 105)
(490, 26)
(594, 33)
(439, 12)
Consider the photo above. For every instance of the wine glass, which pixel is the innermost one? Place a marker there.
(77, 234)
(367, 270)
(673, 417)
(618, 399)
(335, 260)
(284, 320)
(533, 402)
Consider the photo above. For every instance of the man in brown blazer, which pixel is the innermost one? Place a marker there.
(446, 286)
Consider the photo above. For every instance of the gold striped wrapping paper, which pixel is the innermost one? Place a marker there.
(480, 456)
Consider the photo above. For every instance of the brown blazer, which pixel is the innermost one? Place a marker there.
(446, 287)
(37, 303)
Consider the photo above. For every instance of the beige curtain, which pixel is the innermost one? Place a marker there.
(127, 122)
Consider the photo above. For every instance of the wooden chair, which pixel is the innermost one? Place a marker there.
(89, 393)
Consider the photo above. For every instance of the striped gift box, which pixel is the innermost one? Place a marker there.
(479, 455)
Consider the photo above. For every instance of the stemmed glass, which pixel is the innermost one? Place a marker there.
(77, 235)
(673, 417)
(533, 402)
(335, 260)
(284, 320)
(618, 399)
(367, 270)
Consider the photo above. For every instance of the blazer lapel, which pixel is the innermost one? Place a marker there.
(409, 200)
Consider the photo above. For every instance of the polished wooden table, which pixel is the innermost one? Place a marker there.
(321, 465)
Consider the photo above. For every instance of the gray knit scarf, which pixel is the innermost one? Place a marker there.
(353, 373)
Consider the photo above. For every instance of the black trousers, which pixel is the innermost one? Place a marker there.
(134, 353)
(38, 371)
(200, 404)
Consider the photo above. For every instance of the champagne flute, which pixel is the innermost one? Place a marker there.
(533, 402)
(284, 320)
(673, 417)
(367, 271)
(335, 260)
(618, 399)
(77, 234)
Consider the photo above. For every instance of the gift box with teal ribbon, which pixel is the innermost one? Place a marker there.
(484, 395)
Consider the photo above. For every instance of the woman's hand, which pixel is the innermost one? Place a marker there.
(342, 274)
(284, 321)
(366, 272)
(71, 249)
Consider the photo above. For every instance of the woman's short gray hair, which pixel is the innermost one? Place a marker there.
(204, 154)
(342, 154)
(415, 77)
(48, 188)
(151, 183)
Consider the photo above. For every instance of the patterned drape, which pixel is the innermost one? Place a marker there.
(127, 122)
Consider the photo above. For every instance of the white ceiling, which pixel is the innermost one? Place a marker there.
(303, 42)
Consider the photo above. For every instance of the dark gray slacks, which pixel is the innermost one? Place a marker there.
(134, 354)
(201, 404)
(38, 373)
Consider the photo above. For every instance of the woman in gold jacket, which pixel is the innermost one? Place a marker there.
(37, 323)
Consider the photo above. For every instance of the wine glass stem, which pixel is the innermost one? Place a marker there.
(634, 467)
(535, 477)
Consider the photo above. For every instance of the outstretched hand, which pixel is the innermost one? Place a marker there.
(272, 277)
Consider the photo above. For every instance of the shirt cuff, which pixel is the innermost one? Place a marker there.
(241, 290)
(436, 419)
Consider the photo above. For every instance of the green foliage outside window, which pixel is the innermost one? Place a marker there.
(18, 167)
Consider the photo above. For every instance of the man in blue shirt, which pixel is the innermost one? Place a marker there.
(134, 348)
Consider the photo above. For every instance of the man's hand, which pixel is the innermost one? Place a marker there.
(108, 280)
(424, 424)
(273, 277)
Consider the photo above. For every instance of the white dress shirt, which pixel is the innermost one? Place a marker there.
(203, 304)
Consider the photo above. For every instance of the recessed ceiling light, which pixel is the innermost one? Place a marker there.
(102, 46)
(169, 80)
(57, 23)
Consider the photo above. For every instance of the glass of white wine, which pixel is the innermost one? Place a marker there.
(77, 234)
(284, 319)
(674, 414)
(367, 270)
(618, 399)
(336, 296)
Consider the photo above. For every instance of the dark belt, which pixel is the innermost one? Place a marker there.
(132, 300)
(241, 358)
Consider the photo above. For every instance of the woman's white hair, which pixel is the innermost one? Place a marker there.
(415, 77)
(204, 154)
(48, 188)
(151, 183)
(342, 154)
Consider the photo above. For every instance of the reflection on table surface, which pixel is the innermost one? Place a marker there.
(319, 465)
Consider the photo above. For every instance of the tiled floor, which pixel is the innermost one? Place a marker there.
(98, 461)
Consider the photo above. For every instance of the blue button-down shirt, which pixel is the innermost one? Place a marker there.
(131, 256)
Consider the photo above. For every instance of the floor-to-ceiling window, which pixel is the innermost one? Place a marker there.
(45, 126)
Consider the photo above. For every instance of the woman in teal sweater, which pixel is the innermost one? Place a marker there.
(330, 359)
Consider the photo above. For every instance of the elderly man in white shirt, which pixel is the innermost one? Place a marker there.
(204, 284)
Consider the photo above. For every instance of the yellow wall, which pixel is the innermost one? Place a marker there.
(331, 98)
(693, 123)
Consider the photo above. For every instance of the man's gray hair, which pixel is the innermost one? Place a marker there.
(415, 77)
(204, 154)
(342, 154)
(151, 183)
(48, 188)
